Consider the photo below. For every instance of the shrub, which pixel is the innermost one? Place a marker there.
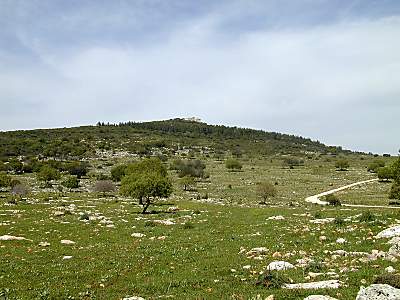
(291, 162)
(71, 182)
(385, 173)
(187, 183)
(104, 186)
(20, 190)
(375, 165)
(233, 164)
(194, 168)
(332, 200)
(339, 221)
(342, 164)
(188, 225)
(395, 191)
(118, 172)
(48, 173)
(5, 180)
(266, 190)
(78, 169)
(390, 279)
(367, 216)
(272, 279)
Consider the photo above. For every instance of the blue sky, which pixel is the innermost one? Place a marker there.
(317, 68)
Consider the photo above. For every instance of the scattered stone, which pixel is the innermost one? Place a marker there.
(279, 266)
(326, 284)
(276, 254)
(67, 242)
(319, 297)
(133, 298)
(322, 238)
(137, 235)
(276, 218)
(44, 244)
(341, 241)
(257, 251)
(322, 221)
(164, 222)
(173, 209)
(378, 292)
(390, 269)
(389, 232)
(12, 238)
(67, 257)
(59, 213)
(246, 267)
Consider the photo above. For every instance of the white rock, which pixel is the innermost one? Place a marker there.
(389, 232)
(67, 242)
(322, 221)
(246, 267)
(279, 266)
(390, 269)
(164, 222)
(395, 250)
(378, 292)
(257, 251)
(12, 238)
(276, 218)
(322, 238)
(44, 244)
(341, 241)
(138, 235)
(67, 257)
(133, 298)
(319, 297)
(326, 284)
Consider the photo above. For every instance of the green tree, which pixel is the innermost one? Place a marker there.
(5, 180)
(266, 190)
(187, 182)
(146, 181)
(79, 169)
(395, 191)
(342, 164)
(233, 164)
(71, 182)
(375, 165)
(385, 173)
(118, 172)
(47, 174)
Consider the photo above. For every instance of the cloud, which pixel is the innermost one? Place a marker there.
(333, 82)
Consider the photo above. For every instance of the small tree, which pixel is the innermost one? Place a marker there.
(5, 180)
(187, 183)
(78, 169)
(342, 164)
(292, 162)
(395, 191)
(47, 174)
(194, 168)
(385, 173)
(266, 190)
(118, 172)
(375, 165)
(71, 182)
(233, 164)
(146, 187)
(20, 190)
(104, 186)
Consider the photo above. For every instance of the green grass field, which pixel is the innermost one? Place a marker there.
(197, 257)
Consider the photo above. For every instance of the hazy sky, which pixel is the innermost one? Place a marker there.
(324, 69)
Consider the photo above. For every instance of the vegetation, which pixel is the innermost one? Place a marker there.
(233, 164)
(342, 164)
(332, 200)
(48, 174)
(193, 168)
(104, 186)
(266, 190)
(375, 165)
(71, 182)
(385, 173)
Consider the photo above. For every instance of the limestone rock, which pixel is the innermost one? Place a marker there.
(319, 297)
(326, 284)
(279, 266)
(389, 232)
(378, 292)
(12, 238)
(67, 242)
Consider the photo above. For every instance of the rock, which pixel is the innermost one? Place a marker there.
(137, 235)
(322, 221)
(44, 244)
(389, 232)
(322, 238)
(279, 266)
(257, 251)
(319, 297)
(378, 292)
(12, 238)
(59, 213)
(67, 242)
(133, 298)
(270, 297)
(395, 250)
(276, 218)
(67, 257)
(276, 254)
(246, 267)
(340, 241)
(390, 269)
(164, 222)
(326, 284)
(173, 209)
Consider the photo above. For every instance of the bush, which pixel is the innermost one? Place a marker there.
(375, 165)
(272, 279)
(194, 168)
(78, 169)
(390, 279)
(367, 216)
(332, 200)
(233, 164)
(342, 164)
(48, 173)
(385, 173)
(291, 162)
(118, 172)
(395, 191)
(5, 180)
(71, 182)
(266, 190)
(20, 190)
(104, 186)
(339, 221)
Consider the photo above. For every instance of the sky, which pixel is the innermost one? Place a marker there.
(323, 69)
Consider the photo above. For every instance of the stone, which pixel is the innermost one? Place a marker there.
(12, 238)
(257, 251)
(395, 250)
(389, 232)
(164, 222)
(319, 297)
(137, 235)
(378, 292)
(322, 238)
(326, 284)
(67, 242)
(322, 221)
(44, 244)
(276, 218)
(390, 269)
(67, 257)
(276, 254)
(340, 241)
(279, 266)
(133, 298)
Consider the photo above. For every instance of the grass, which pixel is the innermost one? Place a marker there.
(197, 257)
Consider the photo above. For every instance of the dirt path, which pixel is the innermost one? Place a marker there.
(315, 199)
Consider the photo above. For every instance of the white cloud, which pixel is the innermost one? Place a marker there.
(333, 83)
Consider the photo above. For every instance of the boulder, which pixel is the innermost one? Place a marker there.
(319, 297)
(378, 292)
(279, 266)
(326, 284)
(389, 232)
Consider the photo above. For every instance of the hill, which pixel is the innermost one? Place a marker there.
(162, 137)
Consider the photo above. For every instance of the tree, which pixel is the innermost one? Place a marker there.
(233, 164)
(146, 181)
(342, 164)
(47, 174)
(5, 180)
(292, 162)
(395, 191)
(78, 169)
(194, 168)
(118, 172)
(396, 170)
(375, 165)
(187, 182)
(71, 182)
(385, 173)
(266, 190)
(104, 186)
